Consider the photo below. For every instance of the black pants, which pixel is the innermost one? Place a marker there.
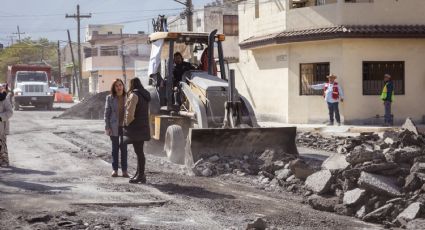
(334, 110)
(141, 160)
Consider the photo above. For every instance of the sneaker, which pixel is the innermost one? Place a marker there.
(125, 174)
(330, 124)
(114, 173)
(339, 123)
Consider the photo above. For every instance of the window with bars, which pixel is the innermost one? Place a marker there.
(373, 76)
(231, 25)
(109, 51)
(90, 52)
(312, 74)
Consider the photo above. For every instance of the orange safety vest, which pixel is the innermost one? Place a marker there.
(335, 90)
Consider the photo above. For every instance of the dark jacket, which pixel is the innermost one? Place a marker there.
(179, 70)
(138, 129)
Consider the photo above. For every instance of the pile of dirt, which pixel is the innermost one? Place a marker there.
(92, 108)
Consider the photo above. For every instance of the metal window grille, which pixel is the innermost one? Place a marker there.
(109, 51)
(231, 25)
(311, 74)
(373, 74)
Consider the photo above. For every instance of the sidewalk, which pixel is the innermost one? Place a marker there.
(336, 130)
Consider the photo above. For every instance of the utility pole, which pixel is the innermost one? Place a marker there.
(59, 64)
(189, 15)
(78, 17)
(19, 34)
(75, 80)
(124, 74)
(188, 12)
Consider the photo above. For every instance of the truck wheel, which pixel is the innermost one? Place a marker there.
(174, 145)
(16, 106)
(50, 106)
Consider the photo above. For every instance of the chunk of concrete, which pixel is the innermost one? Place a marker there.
(379, 184)
(258, 224)
(378, 214)
(416, 224)
(418, 167)
(301, 169)
(410, 213)
(389, 141)
(361, 212)
(353, 197)
(319, 182)
(321, 203)
(335, 162)
(379, 167)
(410, 125)
(283, 174)
(363, 155)
(412, 182)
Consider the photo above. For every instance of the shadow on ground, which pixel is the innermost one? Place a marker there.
(16, 170)
(34, 186)
(191, 191)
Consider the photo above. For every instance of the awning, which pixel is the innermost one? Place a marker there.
(344, 31)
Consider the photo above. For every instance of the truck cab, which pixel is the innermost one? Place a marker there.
(32, 88)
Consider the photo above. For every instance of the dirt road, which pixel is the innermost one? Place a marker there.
(59, 179)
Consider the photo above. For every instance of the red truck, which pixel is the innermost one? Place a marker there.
(30, 85)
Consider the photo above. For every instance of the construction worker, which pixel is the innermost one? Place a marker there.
(387, 96)
(332, 92)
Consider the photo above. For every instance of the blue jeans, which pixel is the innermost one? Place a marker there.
(117, 145)
(388, 117)
(334, 111)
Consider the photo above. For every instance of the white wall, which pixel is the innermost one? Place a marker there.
(262, 77)
(274, 86)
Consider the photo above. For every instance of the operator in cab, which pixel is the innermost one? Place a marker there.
(180, 67)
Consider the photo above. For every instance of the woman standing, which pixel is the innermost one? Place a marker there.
(114, 121)
(136, 129)
(6, 112)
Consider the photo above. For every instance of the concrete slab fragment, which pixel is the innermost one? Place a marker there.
(379, 184)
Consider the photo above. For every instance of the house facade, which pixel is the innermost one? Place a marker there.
(287, 45)
(103, 57)
(221, 16)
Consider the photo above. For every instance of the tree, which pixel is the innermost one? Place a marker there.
(29, 52)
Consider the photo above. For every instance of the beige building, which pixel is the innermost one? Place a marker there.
(221, 16)
(103, 61)
(287, 45)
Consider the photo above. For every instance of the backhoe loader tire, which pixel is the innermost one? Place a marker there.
(174, 145)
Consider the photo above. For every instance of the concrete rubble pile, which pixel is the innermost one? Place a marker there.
(376, 178)
(265, 163)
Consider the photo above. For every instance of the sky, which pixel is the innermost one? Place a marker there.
(46, 18)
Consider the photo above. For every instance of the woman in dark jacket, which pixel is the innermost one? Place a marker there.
(114, 122)
(136, 130)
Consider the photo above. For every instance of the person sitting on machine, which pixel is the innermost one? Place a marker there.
(180, 67)
(204, 63)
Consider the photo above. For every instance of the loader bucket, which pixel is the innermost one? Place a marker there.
(237, 142)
